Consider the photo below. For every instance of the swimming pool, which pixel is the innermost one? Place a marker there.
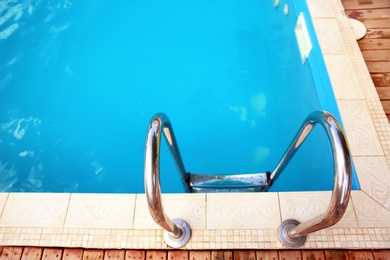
(80, 82)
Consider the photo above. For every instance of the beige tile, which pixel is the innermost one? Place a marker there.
(364, 78)
(3, 201)
(242, 210)
(369, 213)
(374, 178)
(343, 77)
(101, 211)
(361, 134)
(329, 36)
(304, 206)
(346, 29)
(35, 210)
(320, 8)
(189, 207)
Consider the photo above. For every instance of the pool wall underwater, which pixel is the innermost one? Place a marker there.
(236, 221)
(76, 103)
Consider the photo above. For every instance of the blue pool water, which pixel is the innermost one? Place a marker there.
(80, 80)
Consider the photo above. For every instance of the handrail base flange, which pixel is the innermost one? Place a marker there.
(283, 234)
(183, 239)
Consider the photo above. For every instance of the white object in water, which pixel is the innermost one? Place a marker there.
(285, 9)
(303, 38)
(358, 28)
(275, 3)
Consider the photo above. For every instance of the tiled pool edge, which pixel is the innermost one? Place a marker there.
(222, 221)
(219, 221)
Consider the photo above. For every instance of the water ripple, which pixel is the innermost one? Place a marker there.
(18, 127)
(15, 11)
(8, 176)
(8, 31)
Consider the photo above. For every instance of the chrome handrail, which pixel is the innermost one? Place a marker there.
(291, 232)
(176, 232)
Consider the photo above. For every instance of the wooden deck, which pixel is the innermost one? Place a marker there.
(375, 46)
(37, 253)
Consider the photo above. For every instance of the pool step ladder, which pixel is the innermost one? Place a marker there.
(291, 232)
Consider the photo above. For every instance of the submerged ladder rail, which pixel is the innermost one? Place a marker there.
(291, 232)
(176, 232)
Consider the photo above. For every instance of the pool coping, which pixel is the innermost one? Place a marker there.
(236, 221)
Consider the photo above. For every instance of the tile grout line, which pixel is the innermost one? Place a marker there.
(354, 210)
(5, 204)
(134, 211)
(280, 209)
(380, 204)
(67, 211)
(206, 211)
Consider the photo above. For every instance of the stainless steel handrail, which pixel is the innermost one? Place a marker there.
(176, 232)
(291, 232)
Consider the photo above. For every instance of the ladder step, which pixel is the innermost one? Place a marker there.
(216, 190)
(253, 182)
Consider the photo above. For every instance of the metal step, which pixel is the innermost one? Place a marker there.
(254, 182)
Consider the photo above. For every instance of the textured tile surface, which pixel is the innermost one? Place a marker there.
(101, 211)
(369, 213)
(189, 207)
(35, 210)
(242, 210)
(3, 200)
(374, 178)
(320, 8)
(362, 137)
(343, 77)
(304, 206)
(329, 36)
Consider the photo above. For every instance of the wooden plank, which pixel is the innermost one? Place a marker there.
(381, 79)
(93, 254)
(360, 255)
(336, 255)
(72, 254)
(386, 106)
(381, 254)
(135, 254)
(244, 255)
(52, 253)
(313, 255)
(378, 66)
(114, 254)
(32, 253)
(374, 44)
(365, 4)
(290, 255)
(200, 255)
(376, 55)
(383, 92)
(374, 33)
(177, 255)
(11, 253)
(267, 255)
(222, 255)
(368, 13)
(156, 255)
(376, 22)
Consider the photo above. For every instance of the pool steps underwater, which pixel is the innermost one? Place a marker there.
(291, 232)
(255, 182)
